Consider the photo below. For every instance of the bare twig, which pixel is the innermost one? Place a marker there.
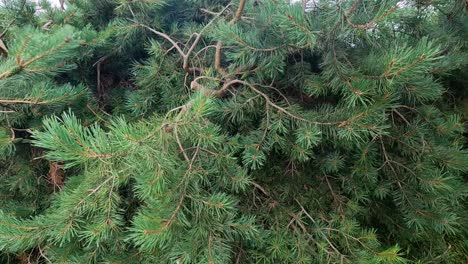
(185, 56)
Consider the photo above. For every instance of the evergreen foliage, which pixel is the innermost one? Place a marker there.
(244, 131)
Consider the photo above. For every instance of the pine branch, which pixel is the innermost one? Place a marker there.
(37, 101)
(21, 65)
(371, 23)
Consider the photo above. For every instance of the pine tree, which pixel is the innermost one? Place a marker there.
(245, 131)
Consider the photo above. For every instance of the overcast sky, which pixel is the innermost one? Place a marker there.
(54, 2)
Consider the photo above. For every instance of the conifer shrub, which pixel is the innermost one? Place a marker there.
(244, 131)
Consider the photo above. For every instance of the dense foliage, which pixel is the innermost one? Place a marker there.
(216, 131)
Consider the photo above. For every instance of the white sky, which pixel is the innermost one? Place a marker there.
(54, 2)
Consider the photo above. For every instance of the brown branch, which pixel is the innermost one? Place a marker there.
(218, 66)
(97, 115)
(210, 254)
(3, 47)
(335, 197)
(369, 24)
(18, 101)
(298, 24)
(208, 11)
(185, 56)
(62, 5)
(219, 44)
(416, 62)
(47, 25)
(181, 198)
(47, 53)
(163, 35)
(89, 153)
(36, 102)
(214, 93)
(222, 92)
(387, 74)
(179, 143)
(204, 49)
(401, 116)
(23, 46)
(239, 12)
